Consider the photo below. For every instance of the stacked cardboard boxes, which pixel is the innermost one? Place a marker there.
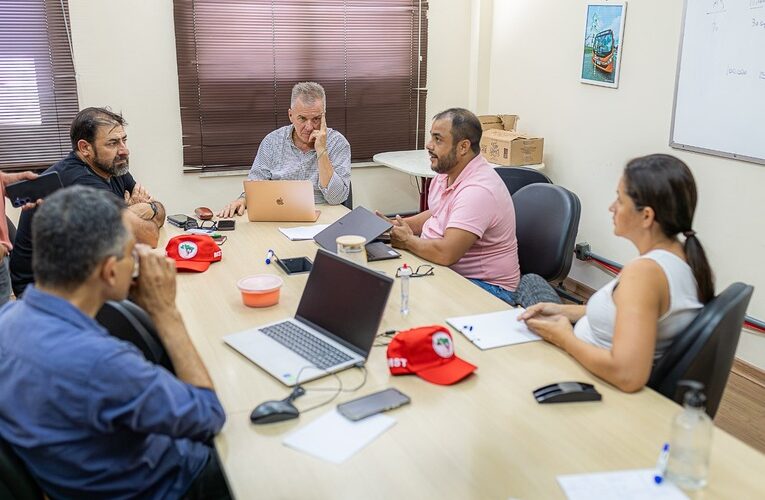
(503, 145)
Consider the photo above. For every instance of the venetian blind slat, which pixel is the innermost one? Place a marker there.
(38, 91)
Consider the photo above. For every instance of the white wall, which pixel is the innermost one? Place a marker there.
(519, 56)
(590, 132)
(124, 53)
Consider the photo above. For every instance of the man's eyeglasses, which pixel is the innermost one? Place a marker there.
(422, 270)
(208, 225)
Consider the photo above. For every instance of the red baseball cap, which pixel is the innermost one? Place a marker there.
(193, 252)
(428, 352)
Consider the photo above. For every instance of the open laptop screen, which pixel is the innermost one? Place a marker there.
(345, 299)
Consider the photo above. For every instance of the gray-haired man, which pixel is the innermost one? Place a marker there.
(304, 150)
(88, 415)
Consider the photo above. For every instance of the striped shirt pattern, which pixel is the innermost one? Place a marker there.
(279, 159)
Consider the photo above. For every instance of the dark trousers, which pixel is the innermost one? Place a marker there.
(210, 483)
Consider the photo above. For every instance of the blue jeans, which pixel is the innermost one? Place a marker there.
(5, 281)
(497, 291)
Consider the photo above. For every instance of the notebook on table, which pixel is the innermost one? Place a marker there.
(361, 222)
(280, 201)
(333, 329)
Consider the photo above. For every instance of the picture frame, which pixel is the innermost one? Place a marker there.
(603, 39)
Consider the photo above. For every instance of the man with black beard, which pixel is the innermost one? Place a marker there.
(470, 222)
(99, 159)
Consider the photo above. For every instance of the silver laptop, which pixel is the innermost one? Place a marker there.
(334, 327)
(280, 201)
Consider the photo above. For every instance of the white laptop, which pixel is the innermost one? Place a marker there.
(334, 327)
(280, 201)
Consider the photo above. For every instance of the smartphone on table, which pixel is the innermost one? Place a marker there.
(295, 265)
(29, 191)
(182, 221)
(372, 404)
(226, 224)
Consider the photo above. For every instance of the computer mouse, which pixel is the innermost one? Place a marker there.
(567, 392)
(273, 411)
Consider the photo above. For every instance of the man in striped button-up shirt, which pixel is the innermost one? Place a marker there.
(304, 150)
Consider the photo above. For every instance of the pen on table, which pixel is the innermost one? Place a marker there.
(270, 255)
(661, 464)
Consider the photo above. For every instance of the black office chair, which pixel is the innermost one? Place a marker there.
(11, 230)
(15, 480)
(547, 220)
(517, 177)
(705, 350)
(126, 321)
(348, 203)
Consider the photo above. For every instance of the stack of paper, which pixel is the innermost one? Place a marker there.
(494, 329)
(303, 232)
(334, 438)
(618, 485)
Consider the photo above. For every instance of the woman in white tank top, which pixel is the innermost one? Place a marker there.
(632, 320)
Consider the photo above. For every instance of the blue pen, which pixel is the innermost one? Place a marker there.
(269, 256)
(661, 464)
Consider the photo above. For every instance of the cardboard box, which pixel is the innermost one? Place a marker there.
(511, 148)
(498, 122)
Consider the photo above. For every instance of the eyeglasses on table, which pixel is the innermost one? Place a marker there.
(422, 270)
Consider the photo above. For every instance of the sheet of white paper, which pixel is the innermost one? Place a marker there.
(303, 232)
(334, 438)
(495, 329)
(619, 485)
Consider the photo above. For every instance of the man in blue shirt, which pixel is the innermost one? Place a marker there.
(86, 412)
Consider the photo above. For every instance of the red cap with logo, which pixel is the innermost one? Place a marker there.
(193, 252)
(428, 352)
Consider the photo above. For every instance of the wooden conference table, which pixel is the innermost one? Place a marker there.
(417, 163)
(485, 437)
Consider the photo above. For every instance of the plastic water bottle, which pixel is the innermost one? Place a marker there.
(404, 273)
(690, 440)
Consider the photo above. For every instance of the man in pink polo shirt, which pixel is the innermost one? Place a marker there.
(470, 225)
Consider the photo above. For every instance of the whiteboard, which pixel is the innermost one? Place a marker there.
(720, 86)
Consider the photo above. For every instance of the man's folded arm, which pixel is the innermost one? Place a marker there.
(129, 391)
(145, 231)
(338, 187)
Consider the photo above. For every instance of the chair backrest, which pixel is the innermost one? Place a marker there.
(126, 321)
(15, 480)
(547, 220)
(705, 350)
(11, 229)
(517, 177)
(348, 203)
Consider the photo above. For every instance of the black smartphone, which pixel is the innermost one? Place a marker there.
(23, 192)
(372, 404)
(226, 224)
(182, 221)
(295, 265)
(385, 238)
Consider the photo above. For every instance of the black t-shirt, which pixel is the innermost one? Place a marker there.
(72, 171)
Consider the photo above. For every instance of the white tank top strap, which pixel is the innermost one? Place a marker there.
(683, 292)
(597, 327)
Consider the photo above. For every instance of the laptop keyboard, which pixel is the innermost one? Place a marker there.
(291, 336)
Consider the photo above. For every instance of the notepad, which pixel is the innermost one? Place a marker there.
(496, 329)
(621, 485)
(303, 232)
(334, 438)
